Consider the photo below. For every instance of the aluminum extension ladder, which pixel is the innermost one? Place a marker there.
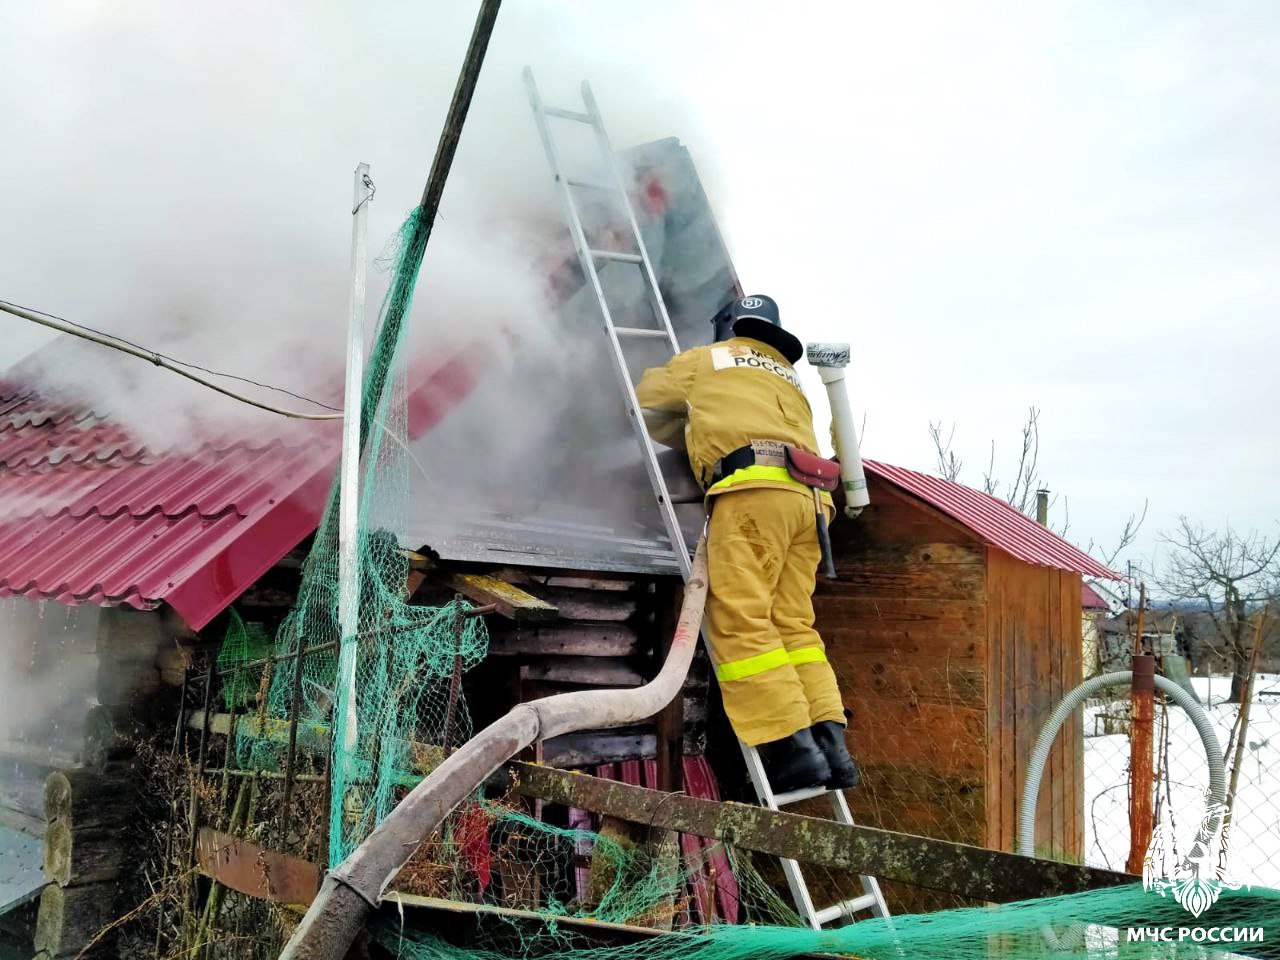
(592, 261)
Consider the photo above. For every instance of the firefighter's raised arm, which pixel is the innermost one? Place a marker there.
(663, 392)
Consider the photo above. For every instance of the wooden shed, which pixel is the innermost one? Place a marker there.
(954, 628)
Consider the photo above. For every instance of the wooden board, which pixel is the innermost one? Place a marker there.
(585, 672)
(565, 639)
(937, 581)
(510, 601)
(950, 867)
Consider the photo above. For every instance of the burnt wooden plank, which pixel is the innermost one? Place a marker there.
(590, 748)
(510, 601)
(935, 864)
(581, 581)
(585, 672)
(565, 639)
(594, 605)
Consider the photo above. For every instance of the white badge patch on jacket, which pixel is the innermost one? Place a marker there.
(737, 357)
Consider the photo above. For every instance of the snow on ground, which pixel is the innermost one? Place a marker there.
(1254, 842)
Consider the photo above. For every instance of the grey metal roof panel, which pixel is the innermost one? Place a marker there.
(538, 464)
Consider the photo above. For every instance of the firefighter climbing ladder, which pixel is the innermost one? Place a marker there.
(592, 261)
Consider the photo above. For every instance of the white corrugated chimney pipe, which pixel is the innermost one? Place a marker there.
(830, 359)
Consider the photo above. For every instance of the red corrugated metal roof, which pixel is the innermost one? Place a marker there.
(1090, 599)
(89, 515)
(997, 523)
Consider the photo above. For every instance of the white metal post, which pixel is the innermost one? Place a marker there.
(346, 731)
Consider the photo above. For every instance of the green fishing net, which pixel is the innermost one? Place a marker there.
(383, 723)
(1120, 922)
(244, 645)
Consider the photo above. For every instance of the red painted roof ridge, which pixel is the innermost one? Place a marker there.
(994, 521)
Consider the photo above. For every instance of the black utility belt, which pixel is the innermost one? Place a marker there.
(802, 466)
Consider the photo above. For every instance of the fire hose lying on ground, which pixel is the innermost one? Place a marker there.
(352, 890)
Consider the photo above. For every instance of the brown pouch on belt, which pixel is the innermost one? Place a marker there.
(812, 470)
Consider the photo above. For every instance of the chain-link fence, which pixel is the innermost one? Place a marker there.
(1181, 775)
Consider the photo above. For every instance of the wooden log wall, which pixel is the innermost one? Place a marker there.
(85, 854)
(604, 630)
(86, 807)
(905, 628)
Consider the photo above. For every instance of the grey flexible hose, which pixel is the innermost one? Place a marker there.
(1049, 732)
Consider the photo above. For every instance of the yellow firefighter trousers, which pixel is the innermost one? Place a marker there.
(763, 553)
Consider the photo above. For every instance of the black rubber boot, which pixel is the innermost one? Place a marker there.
(793, 763)
(829, 736)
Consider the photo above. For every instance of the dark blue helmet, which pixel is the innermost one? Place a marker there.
(757, 317)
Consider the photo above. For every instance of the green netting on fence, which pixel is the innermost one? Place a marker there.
(383, 723)
(243, 644)
(1119, 922)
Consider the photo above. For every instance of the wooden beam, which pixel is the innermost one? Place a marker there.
(585, 672)
(935, 864)
(509, 601)
(564, 640)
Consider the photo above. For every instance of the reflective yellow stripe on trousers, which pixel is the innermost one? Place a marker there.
(771, 660)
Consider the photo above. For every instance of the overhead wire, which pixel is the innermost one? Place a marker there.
(180, 367)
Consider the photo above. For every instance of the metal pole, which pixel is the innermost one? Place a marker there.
(346, 732)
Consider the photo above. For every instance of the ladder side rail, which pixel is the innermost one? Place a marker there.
(870, 884)
(667, 509)
(611, 158)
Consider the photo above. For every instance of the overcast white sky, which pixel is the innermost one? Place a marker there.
(1072, 205)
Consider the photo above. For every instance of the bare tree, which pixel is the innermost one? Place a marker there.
(1230, 574)
(948, 463)
(1020, 492)
(1127, 535)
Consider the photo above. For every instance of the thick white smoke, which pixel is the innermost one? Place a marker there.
(186, 172)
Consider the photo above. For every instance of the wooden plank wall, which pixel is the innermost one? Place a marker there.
(906, 632)
(609, 632)
(1035, 658)
(905, 628)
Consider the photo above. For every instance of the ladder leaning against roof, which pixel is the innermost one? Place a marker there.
(592, 261)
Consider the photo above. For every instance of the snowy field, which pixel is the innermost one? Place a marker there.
(1254, 842)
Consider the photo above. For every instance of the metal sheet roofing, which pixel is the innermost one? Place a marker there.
(994, 521)
(90, 515)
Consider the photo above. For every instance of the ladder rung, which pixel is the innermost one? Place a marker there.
(615, 255)
(569, 115)
(588, 185)
(846, 908)
(644, 332)
(795, 796)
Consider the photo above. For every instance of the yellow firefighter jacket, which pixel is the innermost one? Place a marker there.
(712, 400)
